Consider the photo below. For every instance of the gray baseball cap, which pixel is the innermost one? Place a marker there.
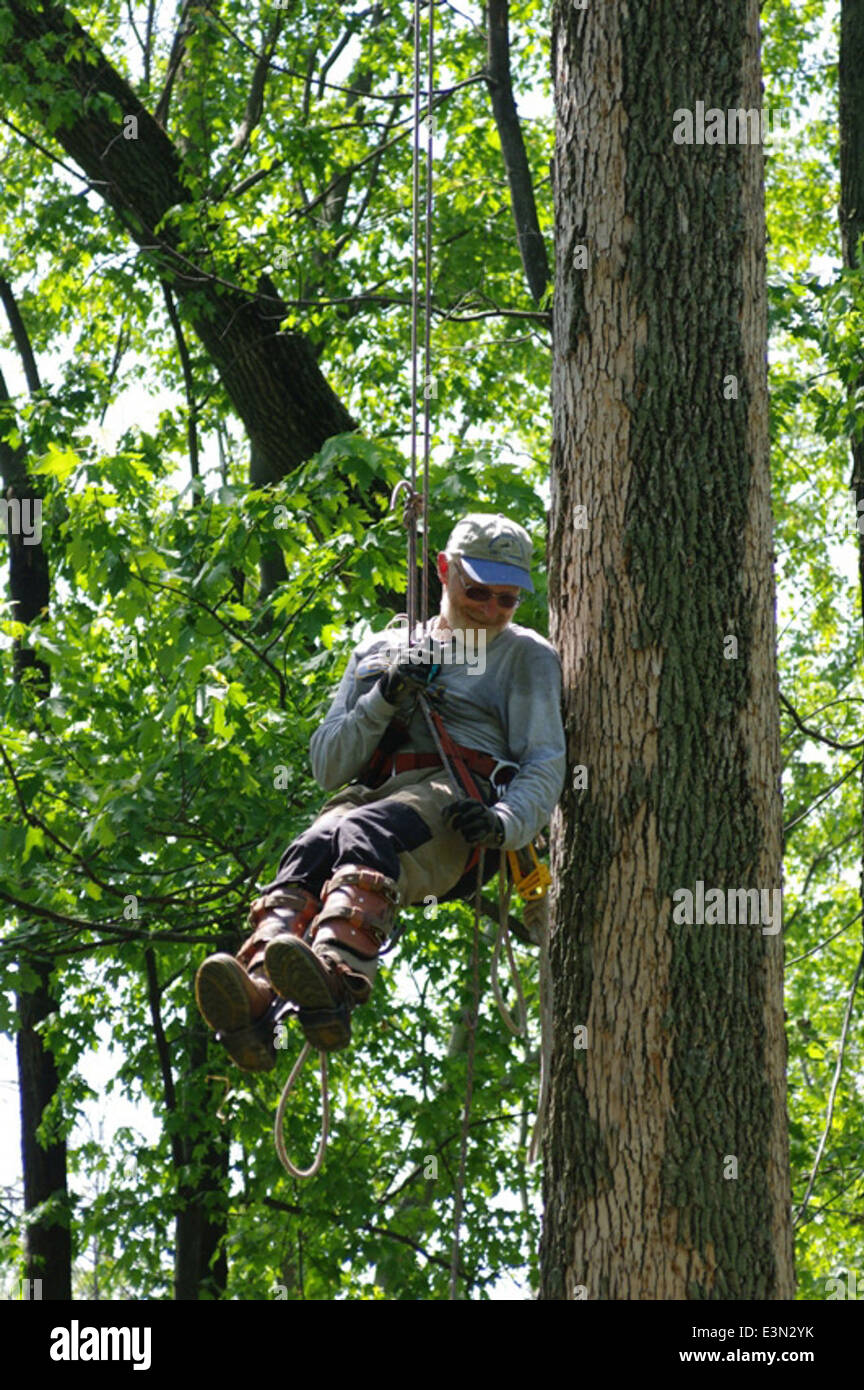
(493, 550)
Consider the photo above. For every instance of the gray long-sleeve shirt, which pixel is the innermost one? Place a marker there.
(507, 703)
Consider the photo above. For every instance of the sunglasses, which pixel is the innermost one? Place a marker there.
(478, 594)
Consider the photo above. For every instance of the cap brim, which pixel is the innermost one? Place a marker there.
(490, 572)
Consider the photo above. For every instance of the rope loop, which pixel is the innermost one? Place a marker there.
(413, 506)
(289, 1167)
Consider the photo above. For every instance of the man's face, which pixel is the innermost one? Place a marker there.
(462, 611)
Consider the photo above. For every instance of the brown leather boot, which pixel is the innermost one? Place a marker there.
(233, 993)
(327, 980)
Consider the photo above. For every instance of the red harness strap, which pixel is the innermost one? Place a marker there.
(384, 764)
(454, 754)
(459, 758)
(452, 757)
(481, 763)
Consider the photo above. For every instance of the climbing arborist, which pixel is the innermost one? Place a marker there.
(400, 831)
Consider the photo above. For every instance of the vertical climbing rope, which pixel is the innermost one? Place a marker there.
(410, 510)
(417, 506)
(427, 310)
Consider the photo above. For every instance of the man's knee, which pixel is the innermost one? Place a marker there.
(321, 828)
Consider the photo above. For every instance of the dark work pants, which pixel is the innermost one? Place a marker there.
(398, 829)
(370, 836)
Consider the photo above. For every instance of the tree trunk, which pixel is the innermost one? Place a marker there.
(199, 1153)
(666, 1153)
(200, 1261)
(48, 1247)
(48, 1241)
(29, 581)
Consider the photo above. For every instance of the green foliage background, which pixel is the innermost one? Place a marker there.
(145, 800)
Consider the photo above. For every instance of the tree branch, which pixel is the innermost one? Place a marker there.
(178, 48)
(847, 1018)
(214, 613)
(826, 942)
(532, 247)
(21, 337)
(254, 109)
(29, 578)
(188, 385)
(309, 205)
(273, 380)
(814, 733)
(370, 1226)
(98, 185)
(164, 1055)
(832, 787)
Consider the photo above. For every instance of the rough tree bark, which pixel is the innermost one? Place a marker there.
(49, 1242)
(199, 1155)
(661, 433)
(29, 583)
(201, 1258)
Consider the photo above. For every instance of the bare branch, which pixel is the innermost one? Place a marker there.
(29, 579)
(375, 154)
(148, 43)
(814, 733)
(53, 158)
(390, 301)
(188, 385)
(130, 15)
(163, 1053)
(303, 76)
(367, 196)
(21, 336)
(532, 247)
(254, 107)
(119, 349)
(832, 787)
(310, 69)
(178, 48)
(847, 1018)
(826, 942)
